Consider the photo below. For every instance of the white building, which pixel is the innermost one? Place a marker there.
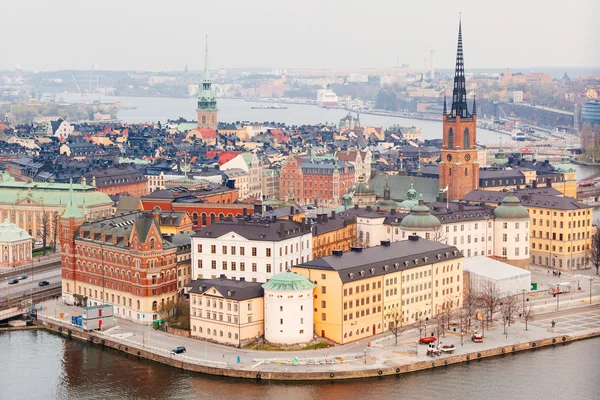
(512, 230)
(60, 129)
(507, 279)
(251, 164)
(15, 245)
(253, 249)
(289, 316)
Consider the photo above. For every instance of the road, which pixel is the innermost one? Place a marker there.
(52, 276)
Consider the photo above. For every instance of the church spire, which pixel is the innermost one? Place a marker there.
(72, 210)
(459, 92)
(445, 108)
(206, 70)
(474, 111)
(386, 191)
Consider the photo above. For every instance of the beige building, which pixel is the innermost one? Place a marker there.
(226, 311)
(15, 245)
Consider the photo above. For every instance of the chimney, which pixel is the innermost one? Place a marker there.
(337, 253)
(393, 211)
(369, 208)
(333, 214)
(273, 219)
(316, 230)
(325, 218)
(242, 279)
(461, 207)
(245, 211)
(378, 208)
(386, 243)
(291, 210)
(222, 277)
(356, 249)
(356, 206)
(413, 238)
(281, 227)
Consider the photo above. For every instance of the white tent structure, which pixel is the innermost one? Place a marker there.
(509, 280)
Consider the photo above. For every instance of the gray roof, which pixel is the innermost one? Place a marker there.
(263, 230)
(398, 256)
(527, 200)
(229, 288)
(127, 204)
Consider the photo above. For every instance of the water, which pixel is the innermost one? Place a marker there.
(40, 365)
(154, 109)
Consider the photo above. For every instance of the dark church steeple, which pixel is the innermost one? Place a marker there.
(459, 92)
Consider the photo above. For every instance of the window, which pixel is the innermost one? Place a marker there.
(323, 304)
(505, 225)
(323, 317)
(254, 252)
(249, 306)
(213, 264)
(268, 268)
(504, 253)
(242, 251)
(213, 249)
(268, 252)
(199, 248)
(224, 249)
(323, 290)
(242, 266)
(504, 237)
(254, 267)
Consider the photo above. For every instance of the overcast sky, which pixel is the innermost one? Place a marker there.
(168, 34)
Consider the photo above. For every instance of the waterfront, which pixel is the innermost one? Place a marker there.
(75, 370)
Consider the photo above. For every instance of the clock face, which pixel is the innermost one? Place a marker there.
(467, 157)
(449, 157)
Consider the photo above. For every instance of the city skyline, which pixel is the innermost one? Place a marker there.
(325, 36)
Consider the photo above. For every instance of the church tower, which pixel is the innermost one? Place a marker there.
(459, 168)
(70, 221)
(207, 104)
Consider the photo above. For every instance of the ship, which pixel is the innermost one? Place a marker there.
(518, 134)
(327, 98)
(273, 107)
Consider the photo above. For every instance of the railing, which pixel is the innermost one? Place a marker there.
(28, 267)
(37, 294)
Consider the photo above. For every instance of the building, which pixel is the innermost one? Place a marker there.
(60, 129)
(123, 181)
(560, 229)
(459, 168)
(288, 299)
(226, 311)
(207, 103)
(481, 273)
(36, 206)
(252, 166)
(511, 231)
(15, 245)
(123, 261)
(590, 113)
(360, 293)
(270, 184)
(322, 183)
(362, 194)
(183, 241)
(252, 249)
(334, 232)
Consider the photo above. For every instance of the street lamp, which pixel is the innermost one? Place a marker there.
(365, 356)
(523, 291)
(590, 279)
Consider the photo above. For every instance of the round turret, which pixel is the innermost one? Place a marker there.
(511, 208)
(420, 219)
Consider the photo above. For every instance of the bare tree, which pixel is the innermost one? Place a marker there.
(55, 230)
(508, 308)
(438, 235)
(527, 314)
(471, 306)
(594, 251)
(489, 300)
(440, 324)
(167, 311)
(396, 325)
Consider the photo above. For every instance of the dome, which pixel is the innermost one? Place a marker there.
(288, 281)
(565, 165)
(386, 204)
(500, 159)
(511, 208)
(420, 219)
(411, 198)
(361, 187)
(12, 233)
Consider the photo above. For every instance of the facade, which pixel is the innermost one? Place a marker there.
(511, 230)
(322, 183)
(360, 159)
(124, 181)
(459, 168)
(252, 249)
(560, 228)
(331, 233)
(288, 309)
(362, 194)
(36, 206)
(508, 280)
(359, 293)
(249, 163)
(123, 261)
(60, 129)
(270, 184)
(15, 245)
(226, 311)
(207, 103)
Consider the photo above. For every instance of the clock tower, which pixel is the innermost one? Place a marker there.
(207, 104)
(459, 168)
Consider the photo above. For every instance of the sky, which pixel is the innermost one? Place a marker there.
(161, 35)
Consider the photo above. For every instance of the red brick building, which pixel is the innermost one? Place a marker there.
(322, 183)
(121, 260)
(459, 168)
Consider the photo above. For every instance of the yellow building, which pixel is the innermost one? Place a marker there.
(561, 227)
(357, 292)
(226, 311)
(333, 233)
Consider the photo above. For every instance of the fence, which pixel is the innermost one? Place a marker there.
(37, 294)
(36, 263)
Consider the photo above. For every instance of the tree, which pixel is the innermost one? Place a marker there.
(594, 251)
(438, 235)
(470, 306)
(167, 311)
(527, 314)
(508, 308)
(55, 230)
(396, 325)
(489, 300)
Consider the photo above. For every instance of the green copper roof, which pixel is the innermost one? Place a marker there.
(71, 210)
(420, 219)
(12, 233)
(511, 208)
(206, 97)
(288, 281)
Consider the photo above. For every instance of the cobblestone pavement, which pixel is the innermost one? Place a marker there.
(570, 323)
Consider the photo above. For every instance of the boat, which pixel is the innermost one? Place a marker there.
(477, 337)
(427, 339)
(447, 348)
(273, 107)
(327, 98)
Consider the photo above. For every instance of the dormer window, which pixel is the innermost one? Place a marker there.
(351, 275)
(372, 271)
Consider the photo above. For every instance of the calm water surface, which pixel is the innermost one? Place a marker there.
(40, 365)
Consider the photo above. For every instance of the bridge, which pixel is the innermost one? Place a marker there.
(14, 312)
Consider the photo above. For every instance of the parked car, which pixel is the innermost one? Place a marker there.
(178, 350)
(39, 242)
(43, 283)
(13, 281)
(21, 277)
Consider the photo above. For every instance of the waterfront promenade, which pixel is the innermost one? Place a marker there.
(379, 356)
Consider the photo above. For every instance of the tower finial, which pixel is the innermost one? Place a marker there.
(474, 111)
(445, 109)
(206, 71)
(459, 92)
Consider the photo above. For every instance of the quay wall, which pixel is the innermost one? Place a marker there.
(231, 371)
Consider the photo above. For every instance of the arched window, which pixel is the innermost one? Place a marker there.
(467, 139)
(466, 171)
(203, 119)
(203, 219)
(212, 218)
(221, 217)
(154, 305)
(152, 243)
(451, 138)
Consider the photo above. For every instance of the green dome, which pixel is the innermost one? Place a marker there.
(288, 281)
(500, 159)
(511, 208)
(411, 198)
(361, 187)
(565, 165)
(420, 219)
(386, 204)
